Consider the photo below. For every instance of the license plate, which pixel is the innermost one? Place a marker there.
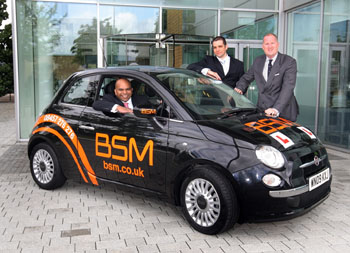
(318, 179)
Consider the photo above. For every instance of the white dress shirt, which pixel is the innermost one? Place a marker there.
(115, 107)
(266, 66)
(225, 62)
(225, 65)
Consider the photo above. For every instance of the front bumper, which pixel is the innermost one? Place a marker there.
(289, 193)
(296, 191)
(259, 203)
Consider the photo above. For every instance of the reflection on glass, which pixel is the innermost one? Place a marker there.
(251, 4)
(189, 22)
(303, 26)
(249, 55)
(128, 20)
(154, 49)
(232, 52)
(307, 17)
(54, 41)
(247, 25)
(122, 54)
(205, 98)
(334, 124)
(169, 3)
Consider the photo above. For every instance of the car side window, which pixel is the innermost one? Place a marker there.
(141, 89)
(155, 100)
(82, 92)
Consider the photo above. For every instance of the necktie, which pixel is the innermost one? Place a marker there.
(126, 105)
(269, 67)
(224, 66)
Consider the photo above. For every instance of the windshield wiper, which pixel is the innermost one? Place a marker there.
(235, 111)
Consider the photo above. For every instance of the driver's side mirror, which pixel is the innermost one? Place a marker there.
(145, 112)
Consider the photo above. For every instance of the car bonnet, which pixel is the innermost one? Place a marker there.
(277, 132)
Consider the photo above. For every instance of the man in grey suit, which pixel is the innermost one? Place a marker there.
(275, 76)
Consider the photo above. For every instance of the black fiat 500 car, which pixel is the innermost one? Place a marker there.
(195, 142)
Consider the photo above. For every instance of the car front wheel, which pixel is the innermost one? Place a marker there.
(209, 202)
(45, 168)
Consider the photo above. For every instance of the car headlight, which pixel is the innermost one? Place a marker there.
(270, 156)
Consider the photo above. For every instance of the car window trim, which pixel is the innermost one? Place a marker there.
(68, 104)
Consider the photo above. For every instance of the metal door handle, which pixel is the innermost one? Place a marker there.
(87, 127)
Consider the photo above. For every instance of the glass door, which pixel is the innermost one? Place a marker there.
(246, 51)
(338, 102)
(233, 50)
(249, 52)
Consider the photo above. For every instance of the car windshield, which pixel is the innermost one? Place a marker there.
(204, 97)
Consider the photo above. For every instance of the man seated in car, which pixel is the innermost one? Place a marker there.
(121, 101)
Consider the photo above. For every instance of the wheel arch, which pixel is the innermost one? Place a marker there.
(35, 140)
(49, 139)
(196, 165)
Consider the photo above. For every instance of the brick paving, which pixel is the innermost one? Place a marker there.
(84, 218)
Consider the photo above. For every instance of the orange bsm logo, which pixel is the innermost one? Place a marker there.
(103, 141)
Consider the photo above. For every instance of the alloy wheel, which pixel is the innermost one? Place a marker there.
(43, 166)
(202, 202)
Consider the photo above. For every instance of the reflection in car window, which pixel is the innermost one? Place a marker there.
(203, 97)
(81, 92)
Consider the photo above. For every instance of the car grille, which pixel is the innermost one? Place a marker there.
(312, 163)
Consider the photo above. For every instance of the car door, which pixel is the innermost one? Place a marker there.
(126, 148)
(79, 92)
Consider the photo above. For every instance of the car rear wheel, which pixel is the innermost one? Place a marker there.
(209, 202)
(45, 168)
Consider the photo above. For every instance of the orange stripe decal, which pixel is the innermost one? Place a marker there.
(86, 163)
(50, 130)
(53, 118)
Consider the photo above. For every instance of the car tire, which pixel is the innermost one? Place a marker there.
(208, 201)
(45, 167)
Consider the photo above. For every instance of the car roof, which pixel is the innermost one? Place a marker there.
(137, 68)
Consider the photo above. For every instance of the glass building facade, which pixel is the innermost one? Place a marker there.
(53, 39)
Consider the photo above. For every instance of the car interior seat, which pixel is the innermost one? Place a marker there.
(136, 86)
(149, 91)
(109, 88)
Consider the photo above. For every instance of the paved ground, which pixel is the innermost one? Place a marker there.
(84, 218)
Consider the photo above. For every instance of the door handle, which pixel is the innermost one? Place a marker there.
(90, 128)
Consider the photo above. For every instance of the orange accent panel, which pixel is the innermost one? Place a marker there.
(86, 163)
(50, 130)
(58, 120)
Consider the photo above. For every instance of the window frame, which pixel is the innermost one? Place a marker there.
(92, 79)
(172, 113)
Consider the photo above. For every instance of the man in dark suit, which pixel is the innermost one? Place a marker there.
(221, 66)
(121, 100)
(275, 75)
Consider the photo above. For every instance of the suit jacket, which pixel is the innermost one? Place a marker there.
(109, 100)
(235, 71)
(278, 91)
